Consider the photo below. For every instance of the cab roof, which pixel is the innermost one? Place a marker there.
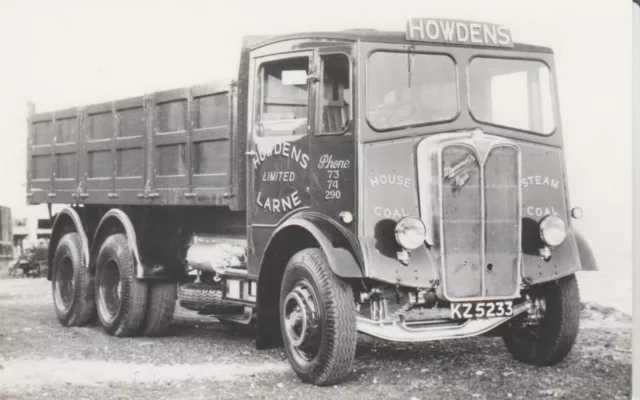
(368, 35)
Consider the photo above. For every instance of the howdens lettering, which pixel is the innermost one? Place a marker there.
(458, 32)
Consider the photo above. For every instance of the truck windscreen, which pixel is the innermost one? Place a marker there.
(511, 93)
(405, 89)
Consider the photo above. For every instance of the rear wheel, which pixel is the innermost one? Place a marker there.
(546, 333)
(73, 291)
(160, 307)
(120, 297)
(318, 319)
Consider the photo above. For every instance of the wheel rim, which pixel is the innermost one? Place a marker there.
(301, 317)
(110, 289)
(64, 284)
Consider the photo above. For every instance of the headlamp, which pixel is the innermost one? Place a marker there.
(410, 232)
(553, 230)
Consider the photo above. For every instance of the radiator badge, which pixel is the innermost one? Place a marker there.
(451, 171)
(460, 181)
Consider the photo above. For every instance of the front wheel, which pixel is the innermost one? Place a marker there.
(546, 333)
(318, 319)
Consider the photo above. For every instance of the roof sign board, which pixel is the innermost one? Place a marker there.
(458, 32)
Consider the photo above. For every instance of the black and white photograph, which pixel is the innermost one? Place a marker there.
(318, 200)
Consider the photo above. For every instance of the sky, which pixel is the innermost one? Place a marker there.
(71, 53)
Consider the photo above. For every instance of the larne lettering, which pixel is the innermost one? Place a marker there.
(279, 205)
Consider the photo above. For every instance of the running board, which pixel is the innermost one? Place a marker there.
(397, 331)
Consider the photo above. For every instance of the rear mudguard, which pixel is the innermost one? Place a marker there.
(120, 219)
(67, 220)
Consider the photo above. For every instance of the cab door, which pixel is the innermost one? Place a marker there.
(333, 146)
(278, 161)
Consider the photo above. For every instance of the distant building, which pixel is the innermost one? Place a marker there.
(6, 241)
(20, 231)
(31, 228)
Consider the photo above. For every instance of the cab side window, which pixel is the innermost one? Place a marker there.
(335, 97)
(283, 94)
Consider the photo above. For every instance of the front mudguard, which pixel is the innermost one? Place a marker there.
(339, 250)
(587, 259)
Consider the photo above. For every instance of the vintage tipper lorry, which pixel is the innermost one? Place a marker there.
(406, 185)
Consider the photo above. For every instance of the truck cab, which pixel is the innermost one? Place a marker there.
(407, 185)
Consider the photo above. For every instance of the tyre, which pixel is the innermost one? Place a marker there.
(161, 304)
(317, 319)
(121, 298)
(206, 299)
(546, 333)
(71, 284)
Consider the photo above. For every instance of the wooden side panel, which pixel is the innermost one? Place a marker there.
(53, 151)
(166, 148)
(211, 144)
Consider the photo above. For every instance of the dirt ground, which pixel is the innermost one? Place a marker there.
(200, 358)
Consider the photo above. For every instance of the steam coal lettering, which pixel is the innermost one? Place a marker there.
(538, 180)
(541, 211)
(392, 213)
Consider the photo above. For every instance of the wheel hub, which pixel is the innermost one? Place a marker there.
(64, 283)
(111, 288)
(529, 323)
(537, 310)
(301, 316)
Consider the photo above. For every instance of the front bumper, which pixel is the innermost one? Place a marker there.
(399, 331)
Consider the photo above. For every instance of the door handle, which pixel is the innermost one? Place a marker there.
(251, 153)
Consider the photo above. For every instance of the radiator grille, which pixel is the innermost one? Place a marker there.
(480, 222)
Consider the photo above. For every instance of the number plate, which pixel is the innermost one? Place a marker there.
(482, 309)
